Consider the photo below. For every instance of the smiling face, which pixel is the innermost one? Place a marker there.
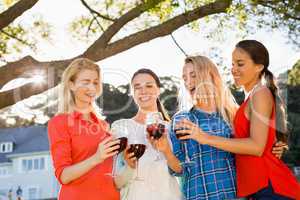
(86, 87)
(244, 71)
(145, 91)
(189, 78)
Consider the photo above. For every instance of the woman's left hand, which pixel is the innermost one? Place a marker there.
(192, 130)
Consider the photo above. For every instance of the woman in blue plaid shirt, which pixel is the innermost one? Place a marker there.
(206, 172)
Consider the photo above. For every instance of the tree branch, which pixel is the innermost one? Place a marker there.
(16, 38)
(118, 24)
(92, 11)
(15, 11)
(17, 69)
(176, 43)
(163, 29)
(265, 4)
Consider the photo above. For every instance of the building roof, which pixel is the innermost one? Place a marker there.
(30, 139)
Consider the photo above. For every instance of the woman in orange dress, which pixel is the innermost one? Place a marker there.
(80, 146)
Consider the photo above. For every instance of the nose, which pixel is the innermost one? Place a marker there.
(188, 83)
(92, 87)
(234, 69)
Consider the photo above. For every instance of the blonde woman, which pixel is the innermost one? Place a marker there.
(207, 172)
(81, 148)
(259, 123)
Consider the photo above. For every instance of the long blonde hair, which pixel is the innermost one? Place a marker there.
(66, 99)
(207, 75)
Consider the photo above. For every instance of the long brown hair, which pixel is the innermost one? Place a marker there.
(260, 55)
(160, 106)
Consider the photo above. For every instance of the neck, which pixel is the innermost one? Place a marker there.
(207, 107)
(248, 87)
(142, 113)
(83, 107)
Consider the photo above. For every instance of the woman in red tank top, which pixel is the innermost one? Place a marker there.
(259, 122)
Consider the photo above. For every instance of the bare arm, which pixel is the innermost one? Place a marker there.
(261, 109)
(163, 146)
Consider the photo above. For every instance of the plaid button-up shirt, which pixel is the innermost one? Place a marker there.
(211, 173)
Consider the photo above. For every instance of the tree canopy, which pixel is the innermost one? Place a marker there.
(114, 26)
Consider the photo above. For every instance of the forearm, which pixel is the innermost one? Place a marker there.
(77, 170)
(123, 178)
(173, 162)
(246, 146)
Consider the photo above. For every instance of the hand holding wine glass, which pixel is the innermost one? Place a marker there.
(137, 146)
(130, 158)
(156, 128)
(107, 148)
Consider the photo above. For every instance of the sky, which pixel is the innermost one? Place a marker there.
(161, 54)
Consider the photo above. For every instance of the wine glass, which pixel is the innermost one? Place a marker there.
(179, 117)
(122, 132)
(137, 145)
(155, 127)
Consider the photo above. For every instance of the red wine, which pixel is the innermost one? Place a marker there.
(179, 135)
(123, 144)
(138, 149)
(156, 130)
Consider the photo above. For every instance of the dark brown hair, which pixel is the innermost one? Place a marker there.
(160, 106)
(260, 55)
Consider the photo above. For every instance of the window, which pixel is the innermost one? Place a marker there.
(4, 171)
(33, 164)
(6, 147)
(33, 193)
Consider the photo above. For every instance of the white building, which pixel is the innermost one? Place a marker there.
(25, 161)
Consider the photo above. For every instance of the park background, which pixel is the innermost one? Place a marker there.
(39, 38)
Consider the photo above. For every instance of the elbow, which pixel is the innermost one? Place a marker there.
(64, 180)
(259, 151)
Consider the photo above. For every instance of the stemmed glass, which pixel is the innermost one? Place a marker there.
(137, 145)
(155, 127)
(179, 117)
(123, 144)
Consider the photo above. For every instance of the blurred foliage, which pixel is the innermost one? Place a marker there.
(18, 37)
(244, 16)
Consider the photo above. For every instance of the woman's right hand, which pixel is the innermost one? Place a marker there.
(106, 149)
(129, 158)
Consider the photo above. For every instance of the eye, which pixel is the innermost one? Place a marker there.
(240, 65)
(149, 86)
(137, 87)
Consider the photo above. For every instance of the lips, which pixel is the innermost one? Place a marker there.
(91, 95)
(192, 91)
(144, 98)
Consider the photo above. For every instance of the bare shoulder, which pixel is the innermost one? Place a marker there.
(262, 95)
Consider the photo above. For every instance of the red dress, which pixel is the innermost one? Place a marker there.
(254, 172)
(72, 140)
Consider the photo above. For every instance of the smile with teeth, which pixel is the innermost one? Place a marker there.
(91, 95)
(192, 90)
(145, 98)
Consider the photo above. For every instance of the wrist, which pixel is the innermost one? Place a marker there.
(203, 138)
(95, 160)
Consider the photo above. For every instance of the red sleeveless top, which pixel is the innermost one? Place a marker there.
(254, 172)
